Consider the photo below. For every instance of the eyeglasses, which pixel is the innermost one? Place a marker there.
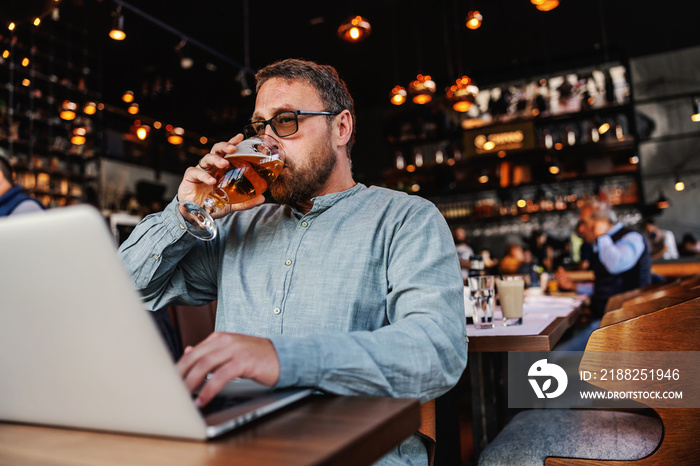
(283, 124)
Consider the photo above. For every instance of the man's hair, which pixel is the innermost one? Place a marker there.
(332, 90)
(6, 169)
(602, 211)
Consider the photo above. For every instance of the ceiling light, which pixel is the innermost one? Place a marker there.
(398, 95)
(175, 137)
(68, 109)
(90, 108)
(545, 5)
(142, 132)
(696, 109)
(354, 29)
(462, 94)
(474, 19)
(186, 62)
(117, 31)
(680, 186)
(422, 89)
(662, 202)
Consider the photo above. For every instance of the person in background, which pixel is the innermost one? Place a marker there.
(464, 251)
(690, 246)
(542, 250)
(350, 289)
(514, 261)
(13, 199)
(662, 242)
(621, 261)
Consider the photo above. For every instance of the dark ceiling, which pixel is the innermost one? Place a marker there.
(408, 37)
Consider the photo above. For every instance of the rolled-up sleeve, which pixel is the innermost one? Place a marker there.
(621, 256)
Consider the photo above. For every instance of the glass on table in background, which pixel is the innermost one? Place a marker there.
(511, 292)
(252, 168)
(482, 298)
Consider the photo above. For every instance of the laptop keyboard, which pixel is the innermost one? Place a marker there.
(222, 402)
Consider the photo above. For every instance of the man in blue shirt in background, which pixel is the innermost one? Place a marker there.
(620, 262)
(351, 289)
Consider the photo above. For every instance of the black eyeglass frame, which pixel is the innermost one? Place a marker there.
(249, 129)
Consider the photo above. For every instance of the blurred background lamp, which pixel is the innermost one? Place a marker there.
(68, 109)
(90, 108)
(398, 95)
(128, 97)
(422, 89)
(545, 5)
(355, 29)
(142, 132)
(462, 94)
(680, 186)
(474, 20)
(117, 31)
(133, 108)
(696, 109)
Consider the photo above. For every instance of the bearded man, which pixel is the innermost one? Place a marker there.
(350, 289)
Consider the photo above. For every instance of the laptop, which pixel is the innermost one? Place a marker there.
(78, 348)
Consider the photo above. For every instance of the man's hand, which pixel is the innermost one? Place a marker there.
(228, 356)
(196, 183)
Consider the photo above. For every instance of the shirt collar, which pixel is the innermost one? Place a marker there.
(322, 203)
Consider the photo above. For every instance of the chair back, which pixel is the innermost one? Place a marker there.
(647, 306)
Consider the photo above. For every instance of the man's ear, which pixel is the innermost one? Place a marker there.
(344, 127)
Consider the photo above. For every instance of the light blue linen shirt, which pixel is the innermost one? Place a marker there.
(360, 296)
(621, 256)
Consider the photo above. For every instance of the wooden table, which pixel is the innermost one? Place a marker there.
(487, 373)
(323, 430)
(544, 341)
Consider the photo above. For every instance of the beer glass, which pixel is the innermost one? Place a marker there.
(252, 168)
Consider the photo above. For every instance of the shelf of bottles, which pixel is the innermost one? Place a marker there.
(527, 148)
(44, 75)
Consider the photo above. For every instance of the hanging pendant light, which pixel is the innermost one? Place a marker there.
(474, 19)
(545, 5)
(354, 29)
(696, 110)
(462, 94)
(117, 31)
(422, 89)
(68, 109)
(398, 95)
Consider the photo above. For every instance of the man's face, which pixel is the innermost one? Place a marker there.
(587, 226)
(309, 155)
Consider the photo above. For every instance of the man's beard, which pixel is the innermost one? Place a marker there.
(301, 185)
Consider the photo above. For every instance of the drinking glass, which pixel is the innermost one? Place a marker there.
(252, 168)
(482, 296)
(511, 291)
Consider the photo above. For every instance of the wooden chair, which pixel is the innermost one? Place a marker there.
(675, 328)
(194, 323)
(670, 291)
(615, 301)
(670, 440)
(645, 307)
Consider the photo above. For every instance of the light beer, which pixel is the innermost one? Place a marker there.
(246, 177)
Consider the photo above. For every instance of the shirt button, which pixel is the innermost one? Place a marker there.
(183, 227)
(288, 262)
(155, 257)
(304, 224)
(277, 311)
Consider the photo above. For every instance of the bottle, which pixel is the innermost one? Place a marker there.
(476, 269)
